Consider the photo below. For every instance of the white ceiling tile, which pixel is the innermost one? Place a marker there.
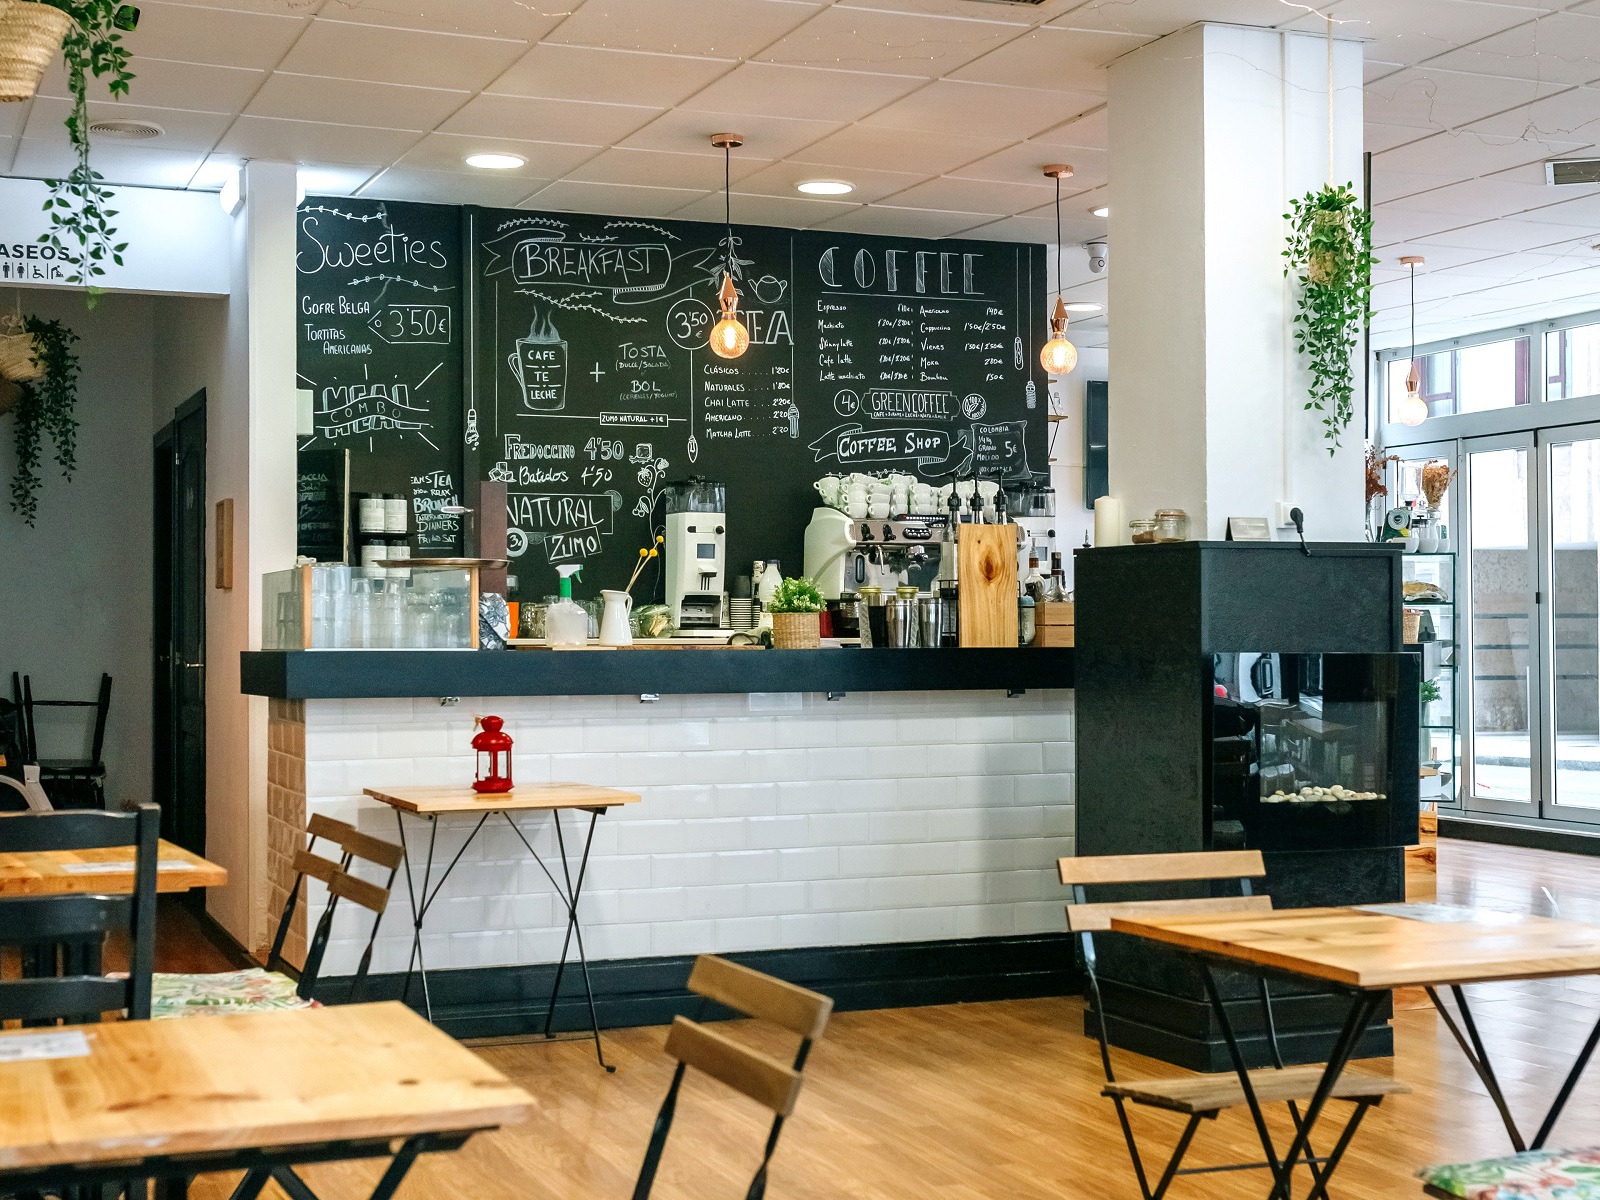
(190, 33)
(780, 179)
(1379, 139)
(896, 43)
(1572, 115)
(899, 150)
(1394, 225)
(1053, 57)
(982, 110)
(1559, 48)
(12, 117)
(1389, 184)
(791, 212)
(560, 72)
(325, 179)
(1013, 229)
(1157, 18)
(1504, 234)
(1089, 130)
(183, 130)
(386, 55)
(904, 222)
(355, 101)
(520, 19)
(448, 152)
(718, 28)
(1076, 227)
(657, 168)
(488, 188)
(1416, 30)
(1425, 98)
(1005, 12)
(1024, 163)
(974, 195)
(770, 89)
(1492, 194)
(547, 120)
(162, 84)
(1466, 153)
(308, 141)
(684, 131)
(132, 165)
(610, 199)
(1570, 206)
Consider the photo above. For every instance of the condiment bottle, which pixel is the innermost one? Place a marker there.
(566, 622)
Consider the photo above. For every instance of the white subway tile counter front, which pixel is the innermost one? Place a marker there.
(766, 821)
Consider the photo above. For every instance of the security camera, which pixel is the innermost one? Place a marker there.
(1097, 257)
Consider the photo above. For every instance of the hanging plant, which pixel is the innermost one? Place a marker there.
(44, 408)
(1330, 252)
(79, 205)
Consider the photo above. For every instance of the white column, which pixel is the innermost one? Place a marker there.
(1213, 131)
(251, 460)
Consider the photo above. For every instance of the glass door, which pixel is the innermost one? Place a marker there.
(1571, 458)
(1502, 714)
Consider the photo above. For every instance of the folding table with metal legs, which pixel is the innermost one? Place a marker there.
(429, 804)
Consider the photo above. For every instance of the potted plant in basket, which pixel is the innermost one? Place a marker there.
(796, 619)
(88, 33)
(40, 388)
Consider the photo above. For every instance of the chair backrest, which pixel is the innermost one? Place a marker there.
(101, 704)
(1086, 918)
(62, 936)
(770, 1083)
(342, 885)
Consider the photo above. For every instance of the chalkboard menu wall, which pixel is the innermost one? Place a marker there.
(589, 384)
(379, 318)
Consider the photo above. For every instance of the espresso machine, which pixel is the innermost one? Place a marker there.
(1031, 506)
(697, 560)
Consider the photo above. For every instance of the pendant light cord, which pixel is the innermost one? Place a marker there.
(1414, 321)
(1330, 100)
(1059, 281)
(727, 202)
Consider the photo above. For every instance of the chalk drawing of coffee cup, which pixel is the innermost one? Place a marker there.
(540, 364)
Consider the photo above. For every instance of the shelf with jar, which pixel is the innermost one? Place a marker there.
(1429, 600)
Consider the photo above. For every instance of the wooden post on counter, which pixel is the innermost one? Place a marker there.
(986, 557)
(489, 506)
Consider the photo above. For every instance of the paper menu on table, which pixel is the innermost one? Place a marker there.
(123, 867)
(25, 1046)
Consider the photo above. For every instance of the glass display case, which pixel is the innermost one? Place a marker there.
(1430, 595)
(1312, 751)
(337, 607)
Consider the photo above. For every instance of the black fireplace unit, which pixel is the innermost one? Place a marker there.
(1244, 695)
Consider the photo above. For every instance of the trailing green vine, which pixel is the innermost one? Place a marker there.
(81, 226)
(1330, 252)
(45, 409)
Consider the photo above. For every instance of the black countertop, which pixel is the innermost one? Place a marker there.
(339, 674)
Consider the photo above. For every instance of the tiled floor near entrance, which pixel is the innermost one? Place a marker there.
(1000, 1101)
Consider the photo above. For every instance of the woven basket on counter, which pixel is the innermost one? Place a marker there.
(796, 631)
(1412, 625)
(18, 360)
(30, 37)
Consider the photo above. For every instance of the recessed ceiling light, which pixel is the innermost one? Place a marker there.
(1103, 210)
(826, 187)
(496, 162)
(127, 131)
(1083, 307)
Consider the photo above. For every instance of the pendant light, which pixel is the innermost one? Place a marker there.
(1058, 356)
(729, 337)
(1412, 409)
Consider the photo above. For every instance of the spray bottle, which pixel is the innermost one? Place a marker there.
(565, 622)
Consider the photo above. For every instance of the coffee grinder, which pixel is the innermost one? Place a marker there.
(696, 554)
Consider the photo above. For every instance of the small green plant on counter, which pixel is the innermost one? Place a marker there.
(1330, 252)
(79, 204)
(796, 596)
(45, 407)
(1428, 691)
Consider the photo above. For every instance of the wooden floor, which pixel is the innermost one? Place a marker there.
(1000, 1101)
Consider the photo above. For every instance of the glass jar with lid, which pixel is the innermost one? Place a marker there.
(1172, 525)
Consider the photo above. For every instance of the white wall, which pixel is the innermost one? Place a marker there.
(1074, 522)
(75, 588)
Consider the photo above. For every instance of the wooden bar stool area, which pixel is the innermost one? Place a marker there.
(764, 1079)
(1201, 1097)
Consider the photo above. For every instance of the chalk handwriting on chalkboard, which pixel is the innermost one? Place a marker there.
(935, 452)
(1000, 451)
(430, 495)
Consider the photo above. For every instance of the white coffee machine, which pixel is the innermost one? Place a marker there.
(697, 554)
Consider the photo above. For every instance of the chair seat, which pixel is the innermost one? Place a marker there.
(253, 990)
(71, 766)
(1533, 1175)
(1210, 1094)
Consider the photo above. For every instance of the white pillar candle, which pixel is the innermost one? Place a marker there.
(1108, 524)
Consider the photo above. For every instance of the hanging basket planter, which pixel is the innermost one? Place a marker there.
(19, 358)
(30, 37)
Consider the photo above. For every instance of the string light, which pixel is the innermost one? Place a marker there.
(1058, 356)
(729, 337)
(1412, 409)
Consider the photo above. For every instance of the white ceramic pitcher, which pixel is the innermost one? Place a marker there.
(615, 629)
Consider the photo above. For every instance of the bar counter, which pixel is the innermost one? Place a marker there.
(351, 674)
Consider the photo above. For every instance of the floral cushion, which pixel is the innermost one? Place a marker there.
(1533, 1175)
(254, 990)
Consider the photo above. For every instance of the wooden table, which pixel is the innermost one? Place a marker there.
(110, 870)
(430, 804)
(260, 1092)
(1367, 951)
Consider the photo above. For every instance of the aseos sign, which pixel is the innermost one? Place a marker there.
(177, 241)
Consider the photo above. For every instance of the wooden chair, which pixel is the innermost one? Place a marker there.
(61, 937)
(1200, 1097)
(75, 782)
(764, 1079)
(281, 985)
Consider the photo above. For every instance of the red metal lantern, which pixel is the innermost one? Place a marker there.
(493, 757)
